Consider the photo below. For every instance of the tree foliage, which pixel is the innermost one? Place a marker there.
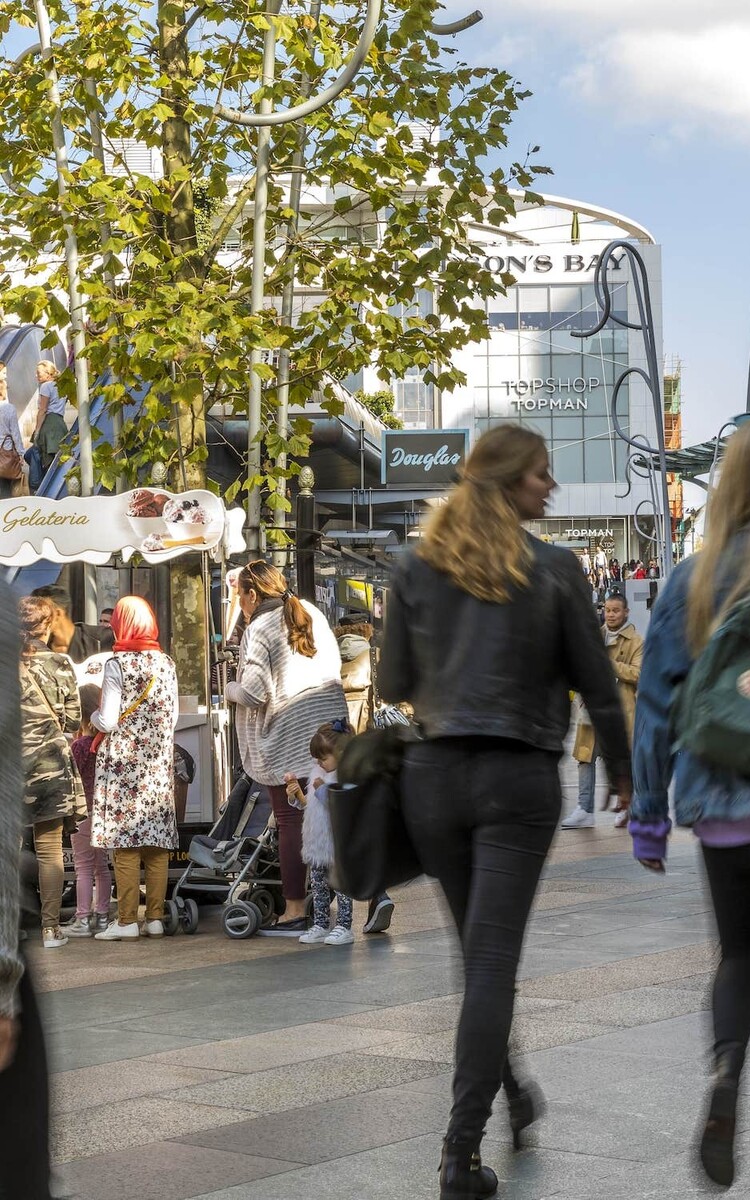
(381, 404)
(177, 316)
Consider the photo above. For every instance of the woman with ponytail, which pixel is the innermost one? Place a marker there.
(488, 631)
(288, 685)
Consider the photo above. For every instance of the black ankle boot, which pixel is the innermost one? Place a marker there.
(717, 1142)
(524, 1107)
(462, 1176)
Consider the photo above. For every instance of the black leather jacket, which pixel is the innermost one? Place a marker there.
(470, 667)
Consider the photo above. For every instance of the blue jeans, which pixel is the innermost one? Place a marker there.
(587, 783)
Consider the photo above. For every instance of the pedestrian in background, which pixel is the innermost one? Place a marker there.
(288, 685)
(134, 811)
(74, 638)
(50, 421)
(354, 635)
(326, 748)
(714, 801)
(10, 436)
(625, 649)
(487, 631)
(91, 862)
(53, 793)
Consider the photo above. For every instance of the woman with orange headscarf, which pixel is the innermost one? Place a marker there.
(134, 812)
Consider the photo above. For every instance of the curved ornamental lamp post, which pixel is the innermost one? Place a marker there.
(645, 460)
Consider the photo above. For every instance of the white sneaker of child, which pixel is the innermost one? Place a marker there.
(339, 936)
(316, 934)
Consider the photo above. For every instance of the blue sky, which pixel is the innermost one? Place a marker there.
(644, 107)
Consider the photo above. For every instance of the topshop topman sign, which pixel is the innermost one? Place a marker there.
(423, 458)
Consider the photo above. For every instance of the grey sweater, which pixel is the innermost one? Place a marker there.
(11, 793)
(282, 697)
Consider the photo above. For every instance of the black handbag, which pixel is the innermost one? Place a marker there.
(372, 847)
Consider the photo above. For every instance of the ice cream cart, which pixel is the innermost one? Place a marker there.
(159, 526)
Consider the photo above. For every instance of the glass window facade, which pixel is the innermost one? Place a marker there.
(533, 370)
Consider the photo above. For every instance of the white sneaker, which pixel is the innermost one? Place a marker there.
(579, 819)
(80, 927)
(52, 938)
(621, 819)
(153, 929)
(339, 936)
(316, 934)
(115, 932)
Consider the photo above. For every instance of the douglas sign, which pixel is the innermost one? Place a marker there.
(417, 458)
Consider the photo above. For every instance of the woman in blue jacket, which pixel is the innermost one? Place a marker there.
(715, 802)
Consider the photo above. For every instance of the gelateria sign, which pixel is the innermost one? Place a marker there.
(152, 522)
(423, 458)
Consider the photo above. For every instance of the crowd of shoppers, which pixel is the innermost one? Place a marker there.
(625, 651)
(480, 783)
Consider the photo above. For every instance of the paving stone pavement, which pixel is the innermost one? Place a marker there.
(204, 1069)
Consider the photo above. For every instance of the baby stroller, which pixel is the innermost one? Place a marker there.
(237, 861)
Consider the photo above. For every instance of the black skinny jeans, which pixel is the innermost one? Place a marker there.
(24, 1110)
(728, 873)
(482, 813)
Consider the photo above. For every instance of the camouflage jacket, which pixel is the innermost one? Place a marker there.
(10, 804)
(51, 780)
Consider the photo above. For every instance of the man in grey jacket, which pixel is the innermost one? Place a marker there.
(24, 1151)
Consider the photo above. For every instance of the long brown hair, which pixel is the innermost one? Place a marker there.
(728, 512)
(269, 583)
(476, 538)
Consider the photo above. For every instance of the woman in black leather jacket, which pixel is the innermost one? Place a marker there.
(488, 630)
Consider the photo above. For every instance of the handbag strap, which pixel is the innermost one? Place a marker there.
(376, 701)
(138, 702)
(12, 446)
(100, 736)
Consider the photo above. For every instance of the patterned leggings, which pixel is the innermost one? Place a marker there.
(321, 893)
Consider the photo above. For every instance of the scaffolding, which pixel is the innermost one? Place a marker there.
(673, 436)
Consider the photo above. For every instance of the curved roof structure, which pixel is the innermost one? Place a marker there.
(594, 212)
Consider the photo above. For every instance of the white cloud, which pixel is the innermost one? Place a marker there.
(682, 63)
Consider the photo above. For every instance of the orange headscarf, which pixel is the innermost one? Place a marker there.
(134, 625)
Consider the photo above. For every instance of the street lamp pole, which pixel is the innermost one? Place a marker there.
(77, 311)
(257, 290)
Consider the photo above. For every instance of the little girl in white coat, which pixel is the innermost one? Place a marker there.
(326, 748)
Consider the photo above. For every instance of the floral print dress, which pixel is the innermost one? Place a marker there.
(134, 784)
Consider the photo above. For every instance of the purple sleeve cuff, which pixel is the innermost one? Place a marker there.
(649, 838)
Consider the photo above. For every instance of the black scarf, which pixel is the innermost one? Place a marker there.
(270, 604)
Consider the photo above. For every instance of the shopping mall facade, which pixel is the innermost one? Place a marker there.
(532, 368)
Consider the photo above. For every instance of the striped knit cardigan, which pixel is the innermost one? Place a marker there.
(282, 697)
(11, 793)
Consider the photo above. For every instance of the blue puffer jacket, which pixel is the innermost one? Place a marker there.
(701, 791)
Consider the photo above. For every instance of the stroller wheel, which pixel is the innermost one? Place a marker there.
(264, 900)
(189, 917)
(171, 918)
(241, 919)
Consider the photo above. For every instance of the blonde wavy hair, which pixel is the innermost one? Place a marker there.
(476, 538)
(728, 513)
(51, 371)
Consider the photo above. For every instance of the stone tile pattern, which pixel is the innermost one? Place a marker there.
(263, 1070)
